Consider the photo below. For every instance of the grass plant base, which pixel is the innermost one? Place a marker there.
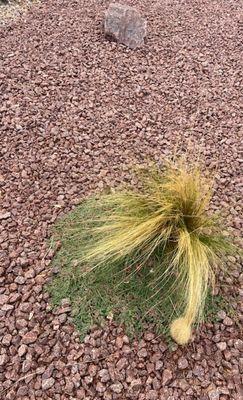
(113, 292)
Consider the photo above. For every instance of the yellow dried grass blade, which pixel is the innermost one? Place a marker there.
(169, 212)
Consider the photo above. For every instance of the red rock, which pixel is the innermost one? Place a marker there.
(159, 365)
(156, 356)
(228, 321)
(20, 280)
(14, 297)
(152, 395)
(69, 387)
(166, 377)
(48, 372)
(221, 314)
(213, 395)
(6, 340)
(3, 359)
(5, 215)
(119, 342)
(7, 307)
(182, 363)
(30, 337)
(92, 369)
(88, 379)
(26, 365)
(100, 387)
(47, 383)
(121, 364)
(142, 353)
(22, 391)
(238, 344)
(3, 299)
(104, 375)
(136, 384)
(107, 395)
(156, 384)
(21, 323)
(126, 349)
(150, 367)
(22, 350)
(221, 346)
(149, 336)
(77, 110)
(81, 394)
(199, 371)
(116, 387)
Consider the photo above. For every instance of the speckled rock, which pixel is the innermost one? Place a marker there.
(125, 25)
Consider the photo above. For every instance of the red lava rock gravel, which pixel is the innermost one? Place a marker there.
(75, 110)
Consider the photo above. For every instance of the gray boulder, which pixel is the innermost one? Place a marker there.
(125, 25)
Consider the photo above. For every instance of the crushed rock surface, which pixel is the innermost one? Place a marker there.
(11, 10)
(75, 111)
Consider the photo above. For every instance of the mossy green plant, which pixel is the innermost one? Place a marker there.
(163, 226)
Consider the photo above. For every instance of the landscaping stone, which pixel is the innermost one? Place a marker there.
(29, 337)
(182, 363)
(5, 215)
(166, 376)
(125, 25)
(227, 321)
(221, 346)
(104, 375)
(116, 387)
(136, 384)
(3, 359)
(47, 383)
(76, 111)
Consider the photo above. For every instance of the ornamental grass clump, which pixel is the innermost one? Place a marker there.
(166, 218)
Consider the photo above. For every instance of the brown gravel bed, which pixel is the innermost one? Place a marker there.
(75, 111)
(13, 9)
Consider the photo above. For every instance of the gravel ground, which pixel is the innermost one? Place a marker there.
(13, 9)
(75, 110)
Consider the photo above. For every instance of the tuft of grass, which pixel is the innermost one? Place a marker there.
(113, 292)
(145, 253)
